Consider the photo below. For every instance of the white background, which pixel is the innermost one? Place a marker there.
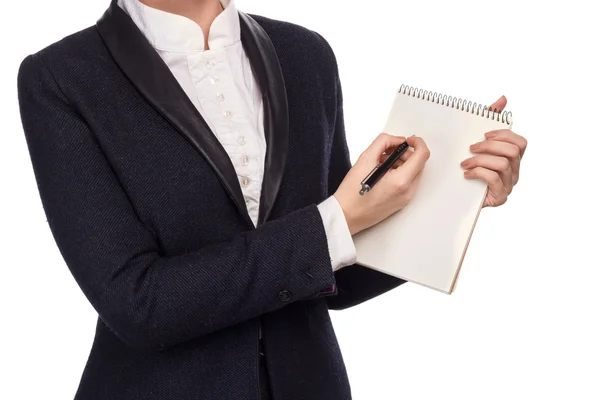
(524, 320)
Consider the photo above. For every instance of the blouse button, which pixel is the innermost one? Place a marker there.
(228, 114)
(245, 181)
(245, 159)
(220, 97)
(209, 64)
(241, 140)
(214, 79)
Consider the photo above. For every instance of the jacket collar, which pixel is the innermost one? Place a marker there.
(140, 62)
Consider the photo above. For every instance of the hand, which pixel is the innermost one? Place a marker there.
(392, 192)
(497, 161)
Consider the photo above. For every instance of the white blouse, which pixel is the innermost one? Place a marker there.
(221, 85)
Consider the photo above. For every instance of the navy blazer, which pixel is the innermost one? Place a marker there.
(146, 209)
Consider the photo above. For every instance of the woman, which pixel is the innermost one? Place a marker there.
(192, 163)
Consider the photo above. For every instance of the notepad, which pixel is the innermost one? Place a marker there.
(427, 240)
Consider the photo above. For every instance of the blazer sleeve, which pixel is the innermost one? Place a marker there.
(355, 283)
(147, 299)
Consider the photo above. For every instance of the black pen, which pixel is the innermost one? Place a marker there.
(381, 168)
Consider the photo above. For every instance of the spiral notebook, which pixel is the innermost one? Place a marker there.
(426, 241)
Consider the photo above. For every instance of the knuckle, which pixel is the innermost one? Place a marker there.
(514, 151)
(504, 164)
(426, 153)
(496, 179)
(401, 185)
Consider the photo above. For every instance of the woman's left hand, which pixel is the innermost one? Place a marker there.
(497, 161)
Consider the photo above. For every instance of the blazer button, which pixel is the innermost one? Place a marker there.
(284, 296)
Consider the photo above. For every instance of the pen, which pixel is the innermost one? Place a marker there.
(381, 168)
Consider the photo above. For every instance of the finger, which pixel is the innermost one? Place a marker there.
(500, 165)
(390, 150)
(400, 161)
(500, 104)
(505, 135)
(414, 163)
(502, 149)
(496, 190)
(382, 142)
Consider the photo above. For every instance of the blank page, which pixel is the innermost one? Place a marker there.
(425, 242)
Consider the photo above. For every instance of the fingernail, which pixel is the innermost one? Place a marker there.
(464, 163)
(467, 173)
(474, 146)
(490, 135)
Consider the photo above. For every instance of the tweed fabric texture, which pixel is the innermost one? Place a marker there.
(178, 278)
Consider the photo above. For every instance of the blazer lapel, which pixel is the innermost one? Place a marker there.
(267, 70)
(152, 77)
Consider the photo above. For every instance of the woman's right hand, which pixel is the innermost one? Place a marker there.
(392, 192)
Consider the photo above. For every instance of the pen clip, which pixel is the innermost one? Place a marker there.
(370, 173)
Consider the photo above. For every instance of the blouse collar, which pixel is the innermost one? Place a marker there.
(175, 33)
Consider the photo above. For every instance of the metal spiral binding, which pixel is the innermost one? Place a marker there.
(458, 104)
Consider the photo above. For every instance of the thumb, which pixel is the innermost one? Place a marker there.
(499, 104)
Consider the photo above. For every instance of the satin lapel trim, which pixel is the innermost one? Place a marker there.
(267, 70)
(152, 77)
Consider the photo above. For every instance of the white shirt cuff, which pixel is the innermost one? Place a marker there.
(339, 241)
